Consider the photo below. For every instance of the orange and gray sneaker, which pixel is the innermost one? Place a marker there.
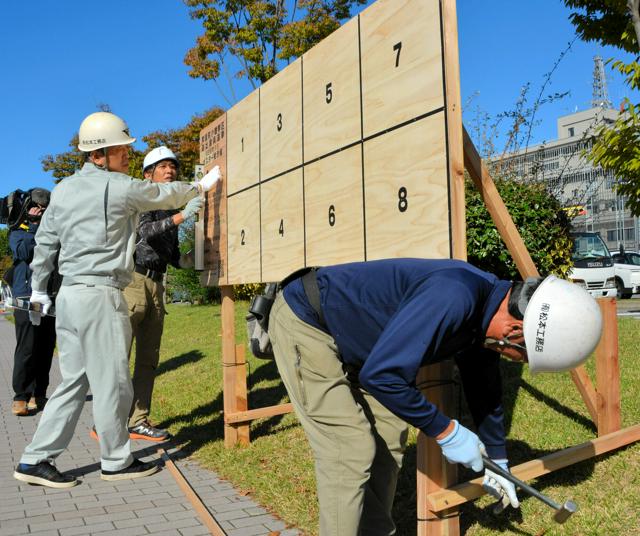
(145, 430)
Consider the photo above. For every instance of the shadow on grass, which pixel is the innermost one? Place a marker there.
(512, 381)
(192, 437)
(193, 356)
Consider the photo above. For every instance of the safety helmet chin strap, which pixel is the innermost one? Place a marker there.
(505, 342)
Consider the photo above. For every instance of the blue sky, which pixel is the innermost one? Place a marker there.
(60, 60)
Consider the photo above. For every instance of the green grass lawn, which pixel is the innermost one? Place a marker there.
(545, 413)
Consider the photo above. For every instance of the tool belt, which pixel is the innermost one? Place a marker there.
(151, 274)
(260, 308)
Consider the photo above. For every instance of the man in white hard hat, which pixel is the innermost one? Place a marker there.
(349, 341)
(90, 226)
(156, 247)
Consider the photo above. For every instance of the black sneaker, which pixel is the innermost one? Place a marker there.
(137, 469)
(146, 431)
(44, 474)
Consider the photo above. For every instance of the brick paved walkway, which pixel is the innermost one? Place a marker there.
(153, 505)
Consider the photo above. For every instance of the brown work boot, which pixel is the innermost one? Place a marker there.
(19, 408)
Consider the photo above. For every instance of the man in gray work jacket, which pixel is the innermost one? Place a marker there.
(91, 223)
(350, 366)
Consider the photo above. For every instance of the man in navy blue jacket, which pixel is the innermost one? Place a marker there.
(34, 344)
(351, 371)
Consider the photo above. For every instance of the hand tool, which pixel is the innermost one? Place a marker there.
(563, 511)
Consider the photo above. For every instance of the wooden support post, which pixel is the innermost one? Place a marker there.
(231, 392)
(587, 391)
(242, 402)
(608, 370)
(434, 473)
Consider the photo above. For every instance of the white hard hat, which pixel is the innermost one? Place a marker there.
(157, 155)
(562, 326)
(102, 129)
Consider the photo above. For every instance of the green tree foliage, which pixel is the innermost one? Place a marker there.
(184, 142)
(258, 33)
(616, 148)
(539, 218)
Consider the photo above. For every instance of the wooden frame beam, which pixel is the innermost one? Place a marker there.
(258, 413)
(467, 491)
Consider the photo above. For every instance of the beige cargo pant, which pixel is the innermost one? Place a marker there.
(145, 298)
(357, 443)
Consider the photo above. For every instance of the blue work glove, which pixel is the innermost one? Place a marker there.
(192, 207)
(500, 488)
(463, 446)
(43, 304)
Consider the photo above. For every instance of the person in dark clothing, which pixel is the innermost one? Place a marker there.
(34, 344)
(156, 247)
(350, 369)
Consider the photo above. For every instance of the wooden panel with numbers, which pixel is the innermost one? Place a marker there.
(406, 192)
(243, 144)
(282, 218)
(243, 236)
(281, 122)
(343, 155)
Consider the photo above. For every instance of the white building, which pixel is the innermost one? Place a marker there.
(585, 190)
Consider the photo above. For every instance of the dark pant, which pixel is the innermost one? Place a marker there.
(32, 358)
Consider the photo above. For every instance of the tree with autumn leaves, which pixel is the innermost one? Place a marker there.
(183, 141)
(251, 38)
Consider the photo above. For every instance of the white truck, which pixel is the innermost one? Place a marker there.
(592, 265)
(627, 267)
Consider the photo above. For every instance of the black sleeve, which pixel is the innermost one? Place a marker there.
(482, 384)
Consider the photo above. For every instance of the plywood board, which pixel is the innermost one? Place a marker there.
(333, 209)
(401, 62)
(244, 236)
(359, 127)
(332, 93)
(406, 192)
(244, 143)
(282, 217)
(281, 122)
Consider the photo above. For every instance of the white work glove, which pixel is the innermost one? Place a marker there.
(463, 446)
(192, 207)
(209, 180)
(43, 299)
(186, 260)
(500, 488)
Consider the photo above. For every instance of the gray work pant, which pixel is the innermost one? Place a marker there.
(94, 334)
(357, 443)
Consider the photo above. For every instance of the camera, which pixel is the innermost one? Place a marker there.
(14, 208)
